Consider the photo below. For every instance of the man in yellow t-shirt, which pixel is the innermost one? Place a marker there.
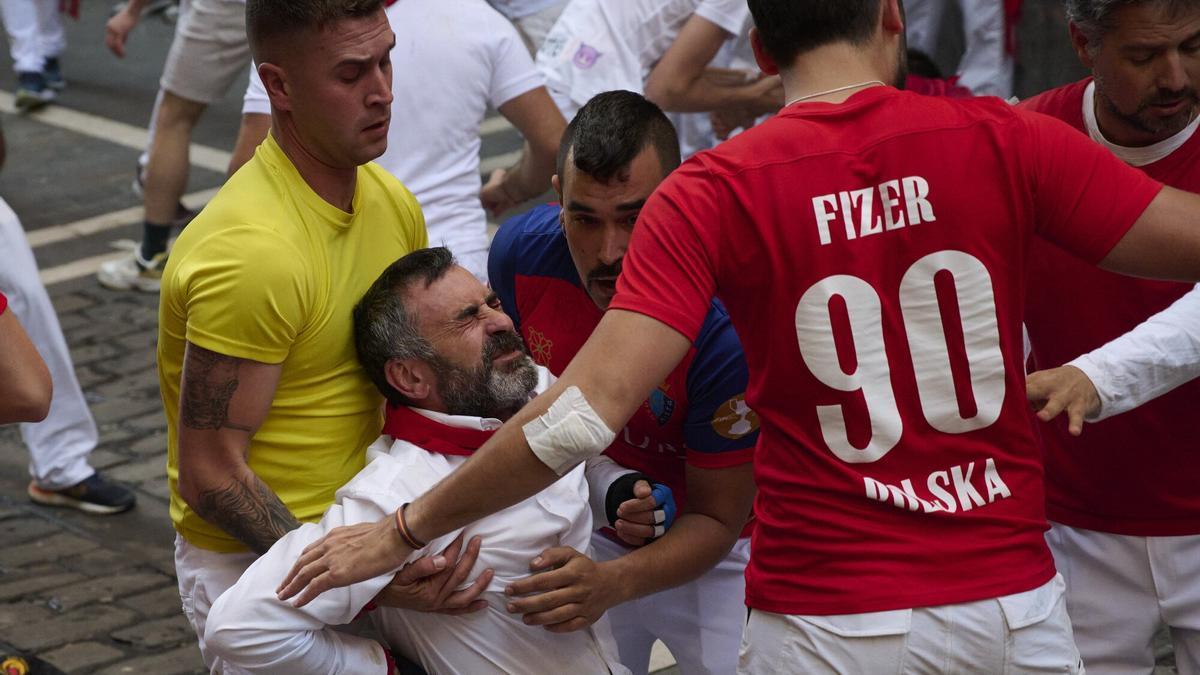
(268, 411)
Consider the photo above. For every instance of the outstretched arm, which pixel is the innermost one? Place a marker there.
(1160, 354)
(621, 362)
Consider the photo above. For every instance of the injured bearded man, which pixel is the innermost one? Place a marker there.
(436, 343)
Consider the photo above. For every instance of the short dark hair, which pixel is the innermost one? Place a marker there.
(1094, 17)
(385, 328)
(266, 19)
(788, 28)
(610, 130)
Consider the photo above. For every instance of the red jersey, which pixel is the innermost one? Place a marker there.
(871, 256)
(3, 303)
(1136, 473)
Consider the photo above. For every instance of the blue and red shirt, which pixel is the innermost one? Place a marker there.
(698, 416)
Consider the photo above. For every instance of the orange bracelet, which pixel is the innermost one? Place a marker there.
(406, 534)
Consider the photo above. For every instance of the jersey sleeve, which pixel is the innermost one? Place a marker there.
(720, 429)
(670, 270)
(247, 296)
(729, 15)
(3, 303)
(1084, 198)
(513, 72)
(502, 266)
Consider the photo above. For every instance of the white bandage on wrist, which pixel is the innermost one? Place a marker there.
(568, 433)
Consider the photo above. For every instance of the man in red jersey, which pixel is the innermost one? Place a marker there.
(1122, 498)
(870, 246)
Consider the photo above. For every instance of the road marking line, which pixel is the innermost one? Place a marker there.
(106, 221)
(113, 131)
(78, 268)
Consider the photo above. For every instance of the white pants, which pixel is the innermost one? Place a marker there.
(35, 32)
(59, 445)
(700, 622)
(1121, 589)
(1022, 633)
(203, 576)
(986, 67)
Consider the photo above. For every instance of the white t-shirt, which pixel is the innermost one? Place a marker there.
(601, 45)
(452, 61)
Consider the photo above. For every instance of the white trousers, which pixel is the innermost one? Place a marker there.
(986, 67)
(1022, 633)
(203, 576)
(59, 445)
(1122, 589)
(35, 32)
(700, 622)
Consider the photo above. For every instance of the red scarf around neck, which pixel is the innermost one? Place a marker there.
(405, 424)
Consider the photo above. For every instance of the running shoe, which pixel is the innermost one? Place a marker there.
(133, 273)
(96, 495)
(32, 92)
(52, 74)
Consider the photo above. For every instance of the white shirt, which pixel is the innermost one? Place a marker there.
(603, 45)
(1162, 353)
(453, 59)
(249, 628)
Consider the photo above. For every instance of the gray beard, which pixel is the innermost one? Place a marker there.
(485, 391)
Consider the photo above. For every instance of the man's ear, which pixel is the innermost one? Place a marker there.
(765, 62)
(411, 377)
(892, 18)
(1083, 46)
(276, 85)
(556, 183)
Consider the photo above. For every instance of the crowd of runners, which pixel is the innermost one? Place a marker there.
(790, 351)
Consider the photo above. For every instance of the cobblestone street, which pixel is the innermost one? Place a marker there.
(98, 594)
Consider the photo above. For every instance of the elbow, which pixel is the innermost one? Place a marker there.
(233, 642)
(30, 405)
(665, 94)
(37, 407)
(191, 491)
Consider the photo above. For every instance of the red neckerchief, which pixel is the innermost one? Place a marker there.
(404, 424)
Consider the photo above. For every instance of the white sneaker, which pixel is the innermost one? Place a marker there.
(133, 273)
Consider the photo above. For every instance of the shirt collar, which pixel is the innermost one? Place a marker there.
(459, 435)
(1132, 156)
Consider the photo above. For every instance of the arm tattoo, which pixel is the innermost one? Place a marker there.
(252, 513)
(209, 382)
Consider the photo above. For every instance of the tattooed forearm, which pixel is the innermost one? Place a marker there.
(209, 380)
(251, 513)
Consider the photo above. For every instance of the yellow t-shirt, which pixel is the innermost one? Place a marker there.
(270, 272)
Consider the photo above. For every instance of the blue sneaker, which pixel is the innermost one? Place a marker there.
(52, 74)
(32, 92)
(95, 494)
